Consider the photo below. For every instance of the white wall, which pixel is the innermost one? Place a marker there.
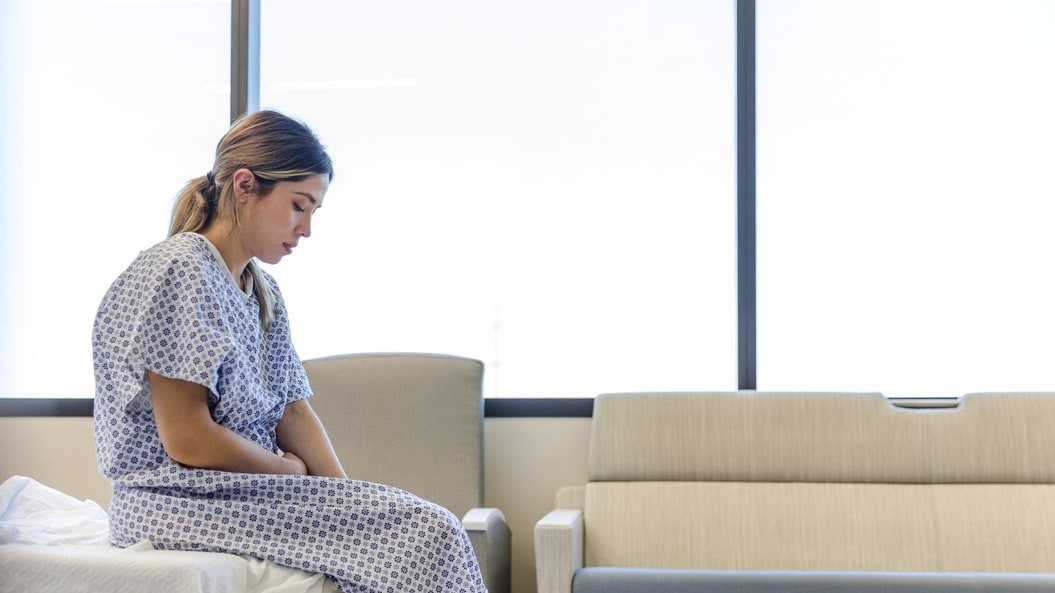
(526, 460)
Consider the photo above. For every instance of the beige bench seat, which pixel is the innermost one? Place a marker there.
(772, 488)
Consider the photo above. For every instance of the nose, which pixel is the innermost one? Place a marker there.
(305, 228)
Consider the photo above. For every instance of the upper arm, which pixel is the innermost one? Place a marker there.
(297, 417)
(181, 412)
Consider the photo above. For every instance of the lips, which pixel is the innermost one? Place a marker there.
(289, 247)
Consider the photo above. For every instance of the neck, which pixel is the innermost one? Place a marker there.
(227, 242)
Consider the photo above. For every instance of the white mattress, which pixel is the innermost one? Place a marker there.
(50, 541)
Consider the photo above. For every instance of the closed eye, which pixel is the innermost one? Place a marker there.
(297, 206)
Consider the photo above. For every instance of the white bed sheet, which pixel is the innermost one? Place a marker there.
(50, 541)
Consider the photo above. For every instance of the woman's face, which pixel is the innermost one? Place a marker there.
(272, 225)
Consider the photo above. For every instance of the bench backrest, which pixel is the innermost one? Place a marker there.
(821, 481)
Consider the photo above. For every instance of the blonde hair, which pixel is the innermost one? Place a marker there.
(275, 147)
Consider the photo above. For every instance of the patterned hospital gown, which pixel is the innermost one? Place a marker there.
(177, 312)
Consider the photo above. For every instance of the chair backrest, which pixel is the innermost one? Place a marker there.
(414, 421)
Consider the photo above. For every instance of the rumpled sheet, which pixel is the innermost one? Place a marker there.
(50, 541)
(32, 513)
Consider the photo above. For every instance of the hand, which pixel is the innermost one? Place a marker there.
(297, 464)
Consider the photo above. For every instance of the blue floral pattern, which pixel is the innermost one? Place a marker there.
(177, 312)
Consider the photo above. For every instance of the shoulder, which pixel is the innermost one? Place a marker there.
(179, 264)
(170, 271)
(181, 246)
(186, 251)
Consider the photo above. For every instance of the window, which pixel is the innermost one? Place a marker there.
(549, 186)
(904, 196)
(115, 106)
(546, 186)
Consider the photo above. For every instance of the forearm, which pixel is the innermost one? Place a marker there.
(301, 432)
(217, 447)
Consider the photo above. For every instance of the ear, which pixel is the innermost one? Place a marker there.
(242, 181)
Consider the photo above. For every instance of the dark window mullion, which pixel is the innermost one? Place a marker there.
(745, 196)
(245, 57)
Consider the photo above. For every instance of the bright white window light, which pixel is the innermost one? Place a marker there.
(104, 118)
(905, 197)
(553, 195)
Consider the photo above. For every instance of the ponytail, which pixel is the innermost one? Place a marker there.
(194, 208)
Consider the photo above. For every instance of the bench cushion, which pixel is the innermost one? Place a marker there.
(821, 526)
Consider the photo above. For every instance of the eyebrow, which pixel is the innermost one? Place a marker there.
(310, 197)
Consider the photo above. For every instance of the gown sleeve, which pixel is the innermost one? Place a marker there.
(182, 333)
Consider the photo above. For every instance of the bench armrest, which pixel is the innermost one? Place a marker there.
(558, 549)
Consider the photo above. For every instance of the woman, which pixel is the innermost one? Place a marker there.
(201, 417)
